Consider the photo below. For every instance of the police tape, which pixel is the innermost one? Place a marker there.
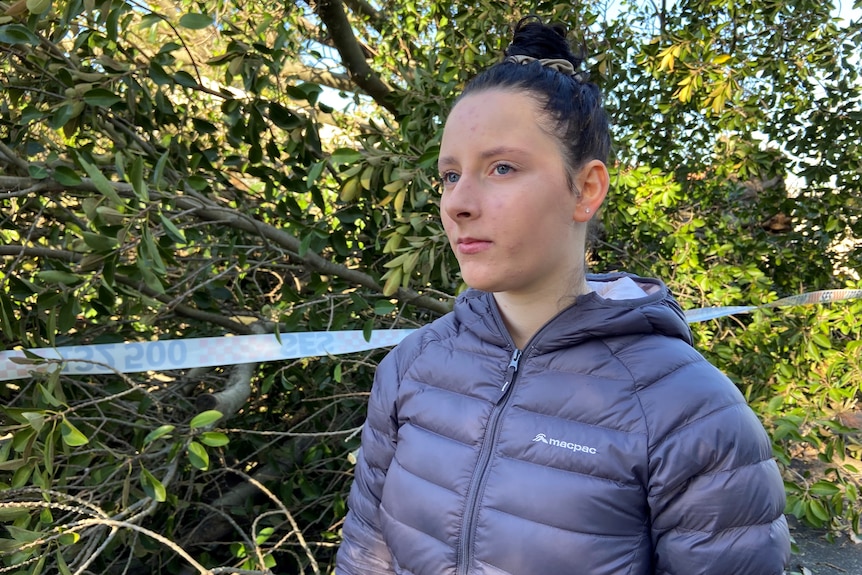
(163, 355)
(810, 298)
(168, 354)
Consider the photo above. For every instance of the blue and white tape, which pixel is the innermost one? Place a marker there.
(160, 355)
(810, 298)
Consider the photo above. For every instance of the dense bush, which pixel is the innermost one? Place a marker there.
(185, 170)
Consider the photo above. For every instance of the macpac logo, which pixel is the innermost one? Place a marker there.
(541, 437)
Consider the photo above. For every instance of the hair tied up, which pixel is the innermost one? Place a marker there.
(559, 64)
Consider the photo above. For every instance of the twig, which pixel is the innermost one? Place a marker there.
(296, 531)
(19, 163)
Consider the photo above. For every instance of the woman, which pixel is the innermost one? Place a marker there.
(554, 422)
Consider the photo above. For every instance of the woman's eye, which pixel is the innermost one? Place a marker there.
(502, 169)
(449, 177)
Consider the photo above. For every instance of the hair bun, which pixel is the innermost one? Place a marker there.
(541, 41)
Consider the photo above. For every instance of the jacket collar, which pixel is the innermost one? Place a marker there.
(633, 306)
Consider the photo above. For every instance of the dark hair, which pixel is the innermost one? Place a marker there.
(573, 103)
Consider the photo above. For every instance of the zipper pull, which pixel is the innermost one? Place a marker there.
(512, 370)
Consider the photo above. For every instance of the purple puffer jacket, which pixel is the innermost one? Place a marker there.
(608, 446)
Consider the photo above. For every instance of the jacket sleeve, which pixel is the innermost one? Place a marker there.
(716, 496)
(362, 549)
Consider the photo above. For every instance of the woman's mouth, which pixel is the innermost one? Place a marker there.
(470, 246)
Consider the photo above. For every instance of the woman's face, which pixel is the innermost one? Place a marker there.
(507, 207)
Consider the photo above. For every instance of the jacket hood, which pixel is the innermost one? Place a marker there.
(619, 305)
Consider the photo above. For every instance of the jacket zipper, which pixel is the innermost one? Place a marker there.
(480, 475)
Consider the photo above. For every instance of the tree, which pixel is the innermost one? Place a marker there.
(174, 170)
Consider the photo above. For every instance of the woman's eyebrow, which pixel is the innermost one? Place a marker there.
(500, 151)
(489, 153)
(445, 161)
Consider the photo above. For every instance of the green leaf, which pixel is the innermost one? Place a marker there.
(152, 280)
(23, 535)
(49, 397)
(35, 419)
(183, 78)
(205, 418)
(59, 276)
(818, 510)
(61, 563)
(152, 486)
(69, 538)
(173, 231)
(22, 475)
(72, 436)
(66, 176)
(38, 6)
(101, 97)
(825, 488)
(37, 171)
(198, 183)
(101, 182)
(384, 307)
(283, 118)
(196, 21)
(345, 156)
(822, 341)
(214, 438)
(150, 20)
(17, 34)
(198, 456)
(48, 451)
(160, 431)
(159, 76)
(136, 178)
(149, 252)
(10, 513)
(99, 242)
(263, 535)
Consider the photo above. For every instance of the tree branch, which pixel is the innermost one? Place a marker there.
(331, 12)
(9, 156)
(365, 9)
(210, 211)
(181, 309)
(317, 76)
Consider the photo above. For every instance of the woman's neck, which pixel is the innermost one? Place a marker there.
(524, 315)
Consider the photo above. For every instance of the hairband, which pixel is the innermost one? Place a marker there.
(558, 64)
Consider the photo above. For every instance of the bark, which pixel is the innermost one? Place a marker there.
(331, 13)
(238, 389)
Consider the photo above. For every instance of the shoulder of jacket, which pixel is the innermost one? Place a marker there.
(415, 343)
(677, 387)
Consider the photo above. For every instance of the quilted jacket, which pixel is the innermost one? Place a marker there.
(607, 446)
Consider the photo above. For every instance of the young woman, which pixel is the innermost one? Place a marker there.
(555, 422)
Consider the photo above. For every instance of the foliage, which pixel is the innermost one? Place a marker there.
(180, 170)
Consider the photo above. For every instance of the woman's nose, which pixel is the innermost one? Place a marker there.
(461, 201)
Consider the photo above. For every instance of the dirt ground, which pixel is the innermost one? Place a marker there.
(817, 556)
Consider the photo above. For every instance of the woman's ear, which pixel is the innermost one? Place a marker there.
(592, 182)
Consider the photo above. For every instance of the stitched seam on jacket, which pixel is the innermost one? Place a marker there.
(431, 431)
(638, 388)
(401, 524)
(717, 531)
(579, 473)
(425, 479)
(578, 421)
(698, 420)
(733, 469)
(711, 474)
(585, 533)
